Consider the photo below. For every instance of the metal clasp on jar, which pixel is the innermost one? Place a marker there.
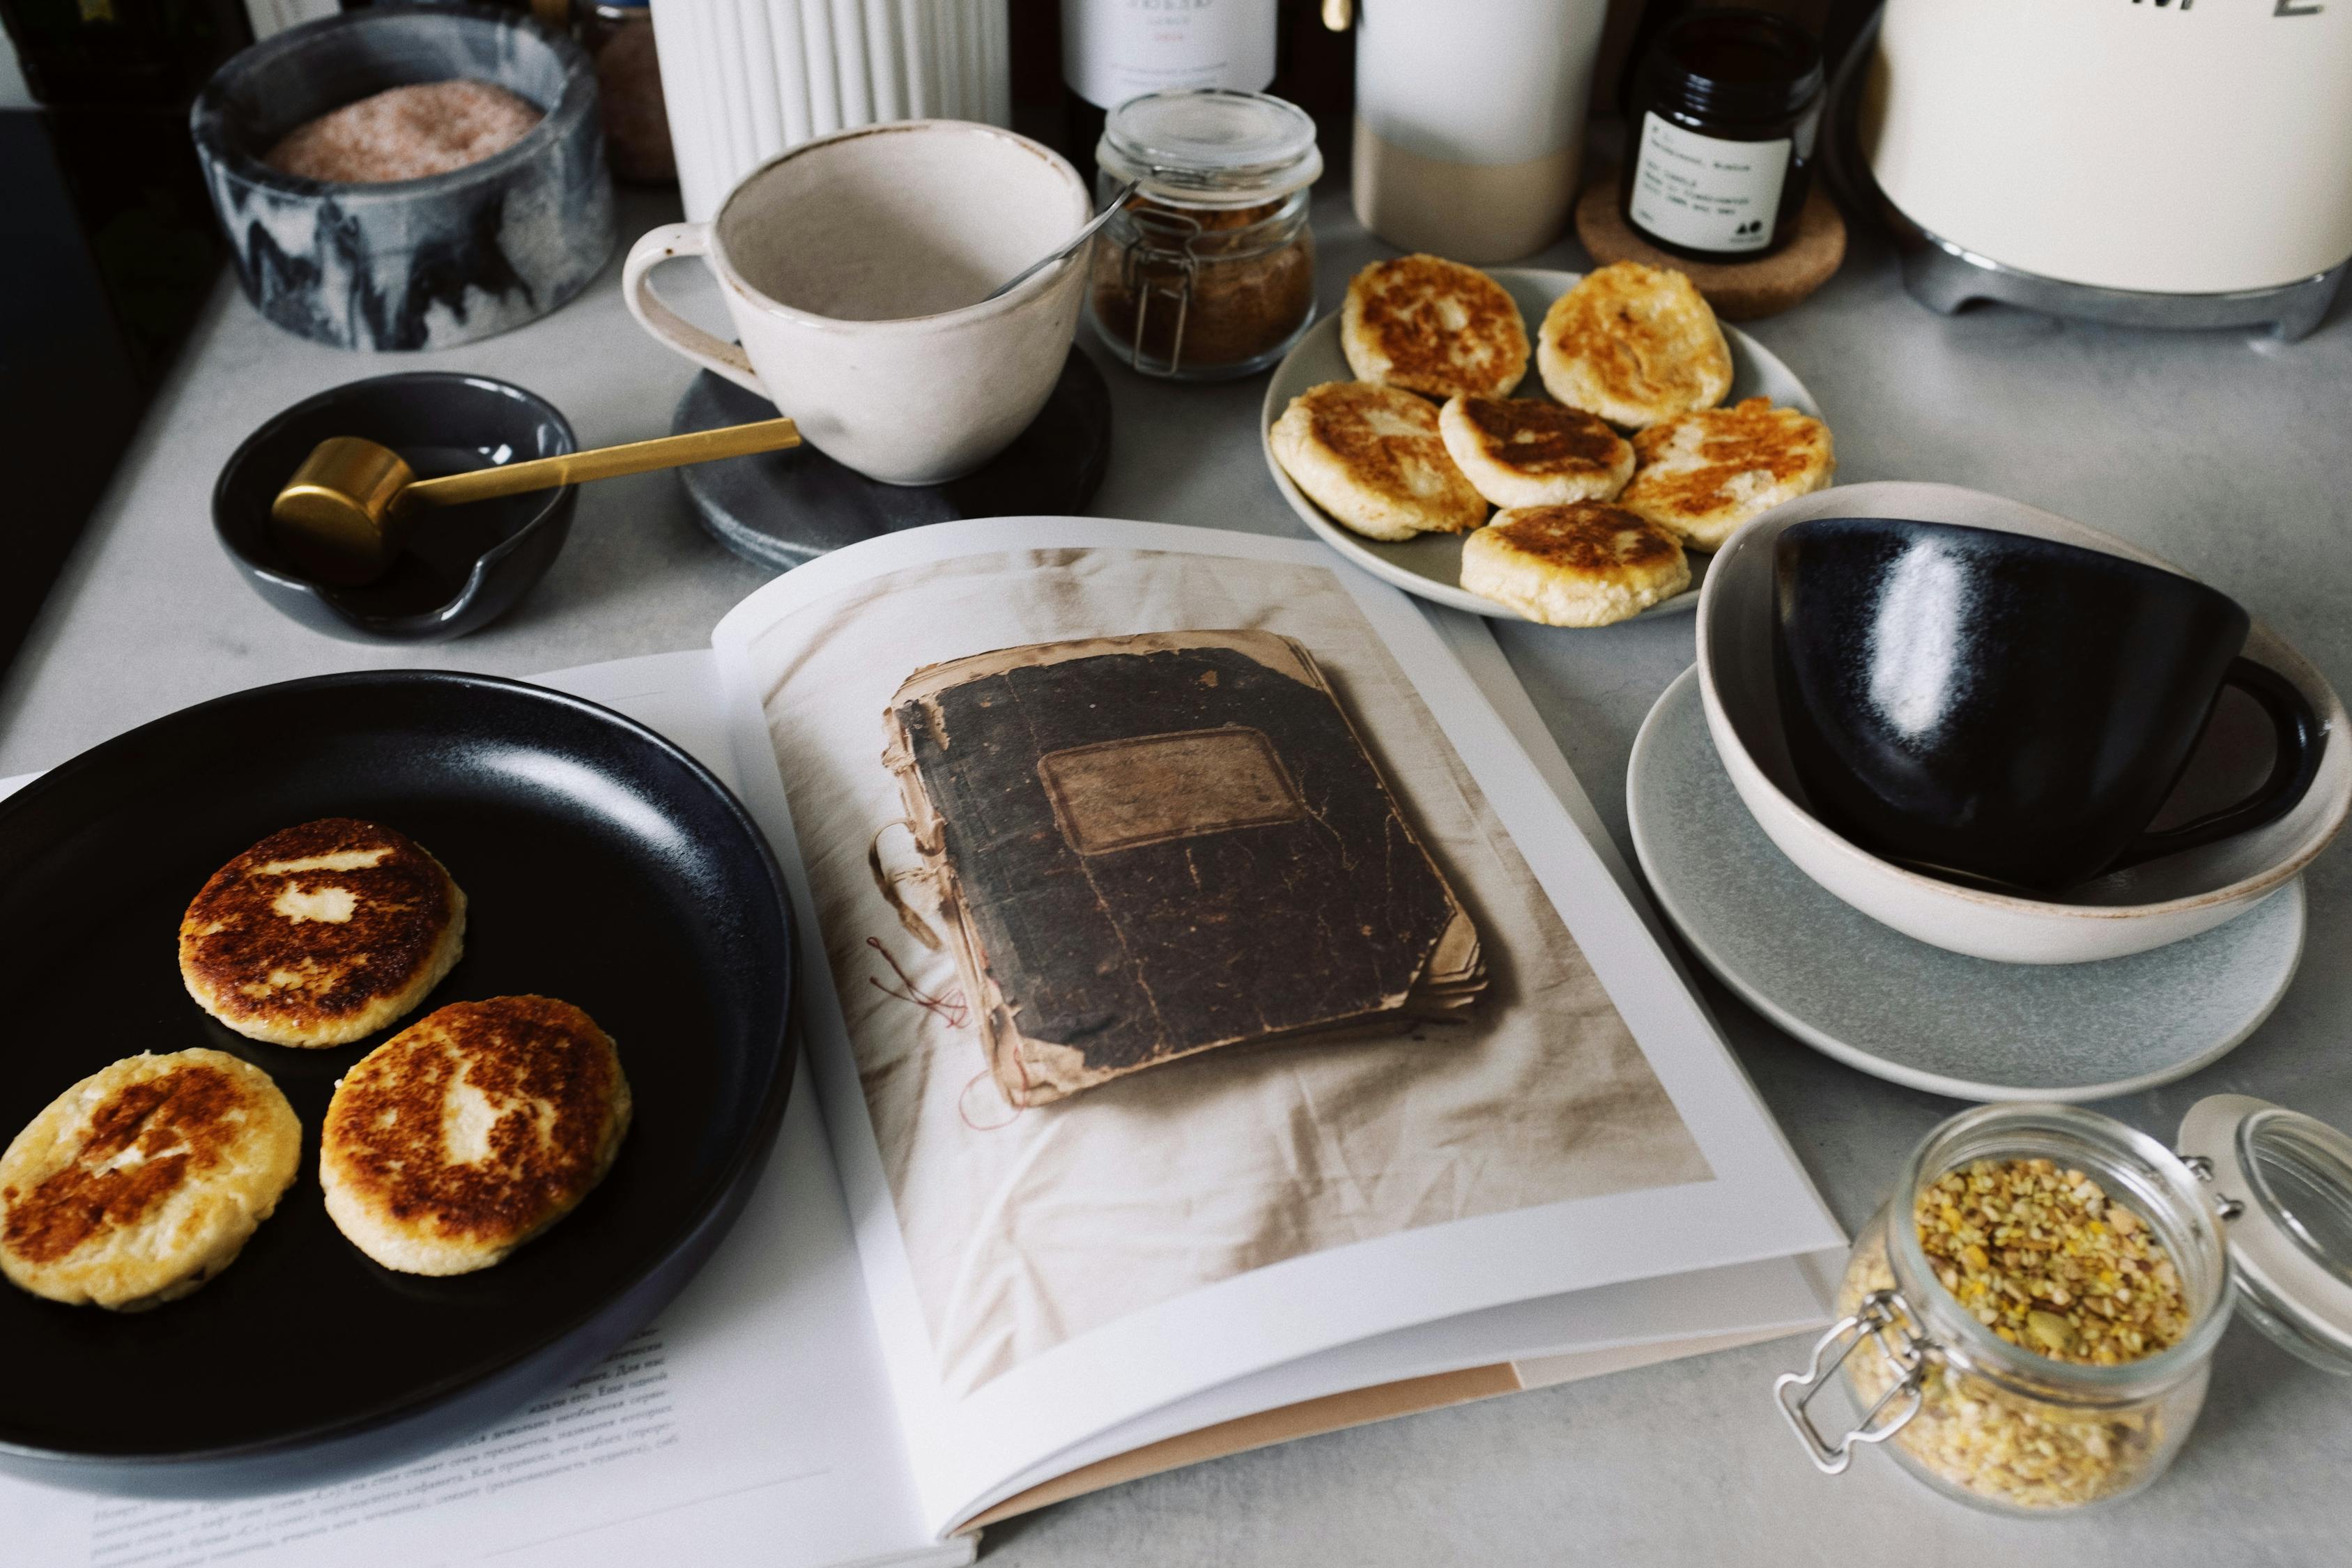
(1169, 254)
(2201, 1167)
(1880, 1313)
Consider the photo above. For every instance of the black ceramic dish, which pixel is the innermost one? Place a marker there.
(780, 509)
(469, 566)
(603, 866)
(409, 264)
(2007, 708)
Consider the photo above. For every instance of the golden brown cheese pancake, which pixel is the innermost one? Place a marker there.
(322, 934)
(1433, 326)
(1525, 451)
(1373, 458)
(1584, 564)
(1635, 345)
(472, 1131)
(1704, 474)
(144, 1180)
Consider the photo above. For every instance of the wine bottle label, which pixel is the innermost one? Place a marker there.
(1705, 193)
(1113, 50)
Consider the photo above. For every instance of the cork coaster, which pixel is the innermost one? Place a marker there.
(1739, 291)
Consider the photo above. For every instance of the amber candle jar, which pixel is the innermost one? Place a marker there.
(1719, 133)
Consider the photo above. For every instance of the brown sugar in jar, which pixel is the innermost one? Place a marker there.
(1252, 283)
(1208, 271)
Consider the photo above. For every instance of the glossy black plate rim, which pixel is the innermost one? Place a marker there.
(533, 1365)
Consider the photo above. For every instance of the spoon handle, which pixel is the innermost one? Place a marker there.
(605, 463)
(1111, 210)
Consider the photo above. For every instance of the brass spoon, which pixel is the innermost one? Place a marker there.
(347, 512)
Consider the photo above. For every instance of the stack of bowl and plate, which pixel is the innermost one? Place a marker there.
(1980, 800)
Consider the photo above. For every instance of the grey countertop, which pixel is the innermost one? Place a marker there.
(2224, 454)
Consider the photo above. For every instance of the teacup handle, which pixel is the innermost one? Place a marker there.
(2300, 741)
(668, 242)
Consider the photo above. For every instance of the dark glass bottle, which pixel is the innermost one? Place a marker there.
(145, 53)
(1719, 134)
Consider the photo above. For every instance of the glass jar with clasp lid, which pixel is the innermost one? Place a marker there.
(1208, 271)
(2029, 1322)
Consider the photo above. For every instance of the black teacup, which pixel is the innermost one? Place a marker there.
(2005, 708)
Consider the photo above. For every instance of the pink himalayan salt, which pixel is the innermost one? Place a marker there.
(406, 133)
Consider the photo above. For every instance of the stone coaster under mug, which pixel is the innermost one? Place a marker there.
(780, 509)
(1739, 291)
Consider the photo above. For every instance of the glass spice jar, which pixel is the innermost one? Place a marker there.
(1208, 271)
(1722, 116)
(619, 35)
(1985, 1394)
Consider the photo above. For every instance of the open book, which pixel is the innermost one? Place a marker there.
(1225, 1020)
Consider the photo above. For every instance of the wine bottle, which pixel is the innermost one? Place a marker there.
(1113, 50)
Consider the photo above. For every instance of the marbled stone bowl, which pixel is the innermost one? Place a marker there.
(409, 264)
(466, 566)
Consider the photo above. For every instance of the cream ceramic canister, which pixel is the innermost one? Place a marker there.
(1469, 134)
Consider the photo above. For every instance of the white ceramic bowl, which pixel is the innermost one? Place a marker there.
(2127, 911)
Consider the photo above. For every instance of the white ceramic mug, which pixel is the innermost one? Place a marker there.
(856, 269)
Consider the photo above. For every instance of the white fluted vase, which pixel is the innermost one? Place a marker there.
(746, 78)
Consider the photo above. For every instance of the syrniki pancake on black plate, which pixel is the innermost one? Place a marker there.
(144, 1180)
(322, 934)
(472, 1131)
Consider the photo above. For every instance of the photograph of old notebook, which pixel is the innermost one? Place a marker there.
(1149, 845)
(1291, 1049)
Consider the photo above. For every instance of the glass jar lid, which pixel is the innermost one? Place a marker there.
(2284, 1182)
(1736, 64)
(1210, 147)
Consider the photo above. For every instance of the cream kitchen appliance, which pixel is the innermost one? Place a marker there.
(2155, 163)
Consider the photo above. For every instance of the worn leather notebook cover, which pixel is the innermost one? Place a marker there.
(1149, 845)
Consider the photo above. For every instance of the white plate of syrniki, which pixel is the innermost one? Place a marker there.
(1548, 445)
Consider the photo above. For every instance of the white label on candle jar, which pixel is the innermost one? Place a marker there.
(1705, 193)
(1113, 50)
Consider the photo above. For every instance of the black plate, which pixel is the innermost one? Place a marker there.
(603, 866)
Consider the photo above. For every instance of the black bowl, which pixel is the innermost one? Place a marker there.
(470, 565)
(2010, 708)
(603, 865)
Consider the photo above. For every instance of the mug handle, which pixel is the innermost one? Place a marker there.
(668, 242)
(2300, 741)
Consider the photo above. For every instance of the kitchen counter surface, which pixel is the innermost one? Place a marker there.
(2226, 455)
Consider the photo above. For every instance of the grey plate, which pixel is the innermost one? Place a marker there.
(1431, 565)
(1899, 1009)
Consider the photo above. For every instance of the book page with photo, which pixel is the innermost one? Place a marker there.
(1209, 981)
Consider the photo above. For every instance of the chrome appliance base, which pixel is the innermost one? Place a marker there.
(1944, 277)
